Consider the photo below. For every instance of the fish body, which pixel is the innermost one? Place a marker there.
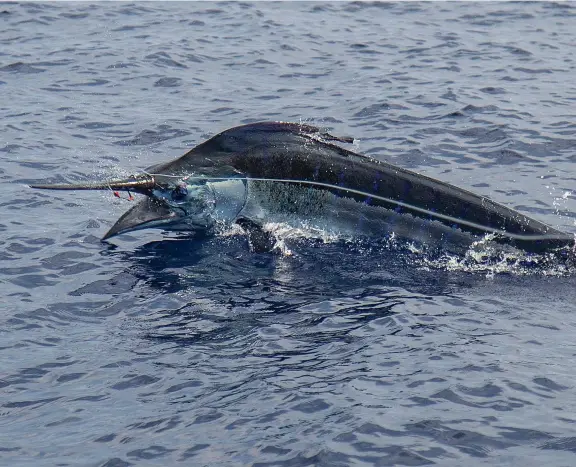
(258, 172)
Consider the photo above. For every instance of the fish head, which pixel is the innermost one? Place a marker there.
(181, 203)
(186, 203)
(172, 203)
(191, 201)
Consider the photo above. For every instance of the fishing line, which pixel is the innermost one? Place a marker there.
(446, 217)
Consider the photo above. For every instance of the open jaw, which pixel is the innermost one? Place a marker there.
(148, 213)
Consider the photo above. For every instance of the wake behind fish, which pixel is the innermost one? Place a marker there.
(490, 258)
(485, 256)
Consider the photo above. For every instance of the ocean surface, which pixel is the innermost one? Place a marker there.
(160, 349)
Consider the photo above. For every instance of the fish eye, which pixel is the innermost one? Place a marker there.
(179, 193)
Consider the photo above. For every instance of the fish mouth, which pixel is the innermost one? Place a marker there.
(148, 213)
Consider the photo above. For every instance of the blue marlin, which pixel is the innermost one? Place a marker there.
(274, 171)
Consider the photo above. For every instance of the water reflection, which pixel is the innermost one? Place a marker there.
(215, 290)
(312, 267)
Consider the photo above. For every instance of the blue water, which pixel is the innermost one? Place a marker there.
(164, 350)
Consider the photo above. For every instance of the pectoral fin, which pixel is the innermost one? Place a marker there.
(259, 240)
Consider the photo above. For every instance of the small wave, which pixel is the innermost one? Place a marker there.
(21, 67)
